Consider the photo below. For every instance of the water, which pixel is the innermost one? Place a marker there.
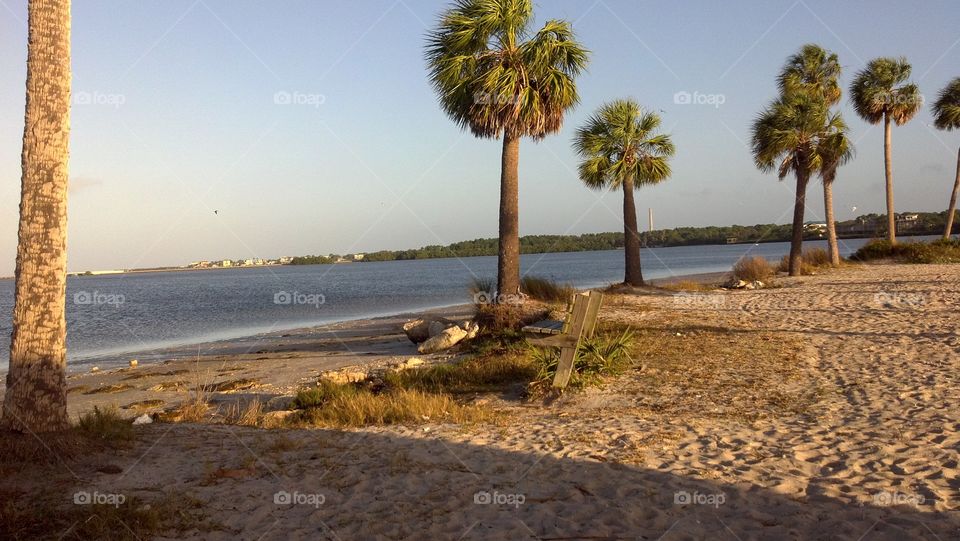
(115, 315)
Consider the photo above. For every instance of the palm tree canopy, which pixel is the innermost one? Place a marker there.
(494, 76)
(882, 89)
(946, 110)
(620, 141)
(812, 69)
(787, 133)
(834, 148)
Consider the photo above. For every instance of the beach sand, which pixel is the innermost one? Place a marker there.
(827, 407)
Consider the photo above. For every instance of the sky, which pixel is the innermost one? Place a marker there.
(310, 126)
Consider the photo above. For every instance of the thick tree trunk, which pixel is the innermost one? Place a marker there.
(953, 202)
(831, 224)
(888, 172)
(799, 208)
(36, 399)
(631, 237)
(508, 261)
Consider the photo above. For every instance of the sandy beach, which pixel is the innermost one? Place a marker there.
(826, 407)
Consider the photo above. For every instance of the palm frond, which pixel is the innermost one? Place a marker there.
(946, 110)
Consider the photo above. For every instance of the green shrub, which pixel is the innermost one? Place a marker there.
(751, 269)
(938, 251)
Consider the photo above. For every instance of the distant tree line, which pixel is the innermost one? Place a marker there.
(869, 225)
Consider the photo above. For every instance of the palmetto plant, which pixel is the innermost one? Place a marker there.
(36, 397)
(946, 116)
(816, 71)
(498, 78)
(620, 149)
(880, 92)
(786, 138)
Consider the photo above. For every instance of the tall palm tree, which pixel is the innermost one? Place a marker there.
(946, 116)
(36, 398)
(835, 150)
(880, 92)
(498, 79)
(621, 150)
(786, 136)
(816, 71)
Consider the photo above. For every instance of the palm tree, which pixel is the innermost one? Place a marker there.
(36, 398)
(496, 78)
(786, 137)
(946, 116)
(621, 150)
(816, 71)
(880, 92)
(835, 150)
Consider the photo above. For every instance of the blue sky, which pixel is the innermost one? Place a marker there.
(176, 116)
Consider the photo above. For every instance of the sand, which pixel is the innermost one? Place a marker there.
(825, 408)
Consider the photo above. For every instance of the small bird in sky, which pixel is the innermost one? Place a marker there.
(217, 212)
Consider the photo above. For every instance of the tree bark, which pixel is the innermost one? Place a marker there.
(888, 172)
(831, 224)
(508, 261)
(953, 202)
(631, 237)
(36, 399)
(799, 208)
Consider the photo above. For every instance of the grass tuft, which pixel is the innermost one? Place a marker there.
(810, 260)
(606, 354)
(752, 269)
(106, 425)
(543, 289)
(472, 375)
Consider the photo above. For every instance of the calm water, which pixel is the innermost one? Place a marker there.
(110, 316)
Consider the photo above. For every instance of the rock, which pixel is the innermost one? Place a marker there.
(417, 330)
(277, 416)
(756, 284)
(445, 340)
(343, 377)
(412, 362)
(436, 327)
(143, 420)
(133, 363)
(94, 368)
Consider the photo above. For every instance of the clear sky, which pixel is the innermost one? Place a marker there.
(176, 116)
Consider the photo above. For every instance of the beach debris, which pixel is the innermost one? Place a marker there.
(742, 284)
(133, 363)
(412, 362)
(94, 368)
(144, 419)
(472, 328)
(450, 337)
(421, 330)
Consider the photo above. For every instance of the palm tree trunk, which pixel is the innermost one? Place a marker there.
(799, 208)
(508, 261)
(831, 224)
(953, 202)
(888, 172)
(631, 237)
(36, 398)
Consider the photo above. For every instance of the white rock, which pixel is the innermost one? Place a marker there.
(143, 420)
(133, 363)
(417, 330)
(437, 326)
(94, 368)
(472, 328)
(445, 340)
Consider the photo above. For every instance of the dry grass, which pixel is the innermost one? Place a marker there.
(250, 414)
(477, 374)
(688, 285)
(348, 405)
(810, 260)
(543, 289)
(752, 269)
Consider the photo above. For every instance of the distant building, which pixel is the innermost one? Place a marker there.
(285, 260)
(225, 263)
(358, 257)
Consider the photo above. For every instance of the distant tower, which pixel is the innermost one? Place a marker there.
(650, 219)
